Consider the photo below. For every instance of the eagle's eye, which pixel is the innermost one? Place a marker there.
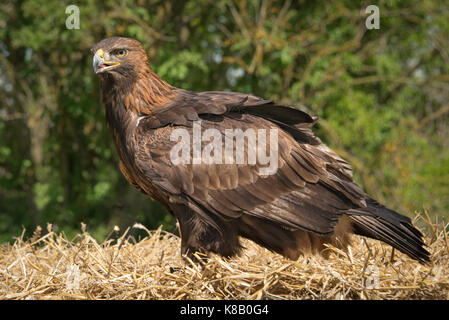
(120, 53)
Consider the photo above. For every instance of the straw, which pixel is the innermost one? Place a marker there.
(50, 266)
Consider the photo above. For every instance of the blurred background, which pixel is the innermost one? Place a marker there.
(382, 96)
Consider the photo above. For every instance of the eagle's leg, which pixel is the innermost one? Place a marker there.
(200, 237)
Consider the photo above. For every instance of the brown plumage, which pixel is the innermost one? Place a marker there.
(309, 201)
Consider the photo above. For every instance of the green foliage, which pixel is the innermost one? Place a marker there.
(382, 95)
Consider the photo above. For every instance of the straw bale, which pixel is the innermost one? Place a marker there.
(50, 266)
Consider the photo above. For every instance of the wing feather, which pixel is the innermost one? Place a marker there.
(228, 191)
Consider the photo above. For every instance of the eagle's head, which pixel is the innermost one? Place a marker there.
(119, 57)
(126, 78)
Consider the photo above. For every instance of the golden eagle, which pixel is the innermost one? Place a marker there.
(307, 201)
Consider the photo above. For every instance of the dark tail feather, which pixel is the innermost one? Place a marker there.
(380, 223)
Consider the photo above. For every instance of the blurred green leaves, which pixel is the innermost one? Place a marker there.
(178, 67)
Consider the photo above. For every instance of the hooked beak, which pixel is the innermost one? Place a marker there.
(101, 62)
